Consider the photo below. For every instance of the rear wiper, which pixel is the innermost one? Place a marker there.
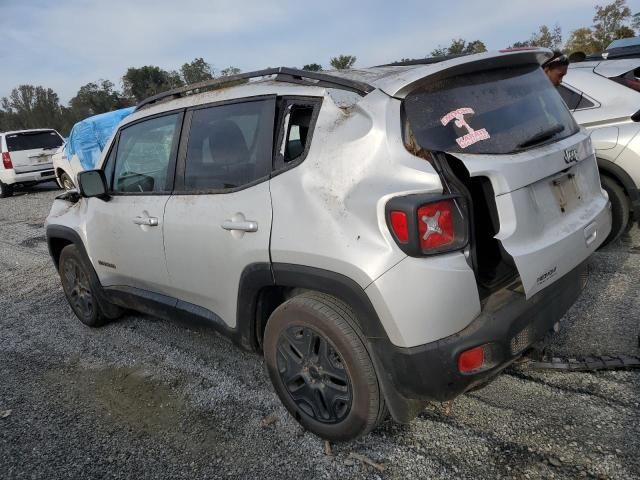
(542, 136)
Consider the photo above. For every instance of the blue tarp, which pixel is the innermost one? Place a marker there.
(89, 136)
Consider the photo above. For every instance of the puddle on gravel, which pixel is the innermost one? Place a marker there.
(132, 396)
(135, 400)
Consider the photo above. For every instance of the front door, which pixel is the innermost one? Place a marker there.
(125, 234)
(219, 219)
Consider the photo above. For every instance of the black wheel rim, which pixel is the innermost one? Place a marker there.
(314, 374)
(77, 286)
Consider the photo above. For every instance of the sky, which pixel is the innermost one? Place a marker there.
(64, 44)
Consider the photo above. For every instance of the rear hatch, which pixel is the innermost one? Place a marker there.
(32, 150)
(513, 144)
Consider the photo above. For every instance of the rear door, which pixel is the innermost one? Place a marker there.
(218, 222)
(32, 150)
(511, 125)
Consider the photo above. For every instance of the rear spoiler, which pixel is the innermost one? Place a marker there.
(401, 84)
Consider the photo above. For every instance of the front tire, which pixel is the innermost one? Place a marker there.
(5, 190)
(620, 208)
(321, 369)
(80, 287)
(65, 182)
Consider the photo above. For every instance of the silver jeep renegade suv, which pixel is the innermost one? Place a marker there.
(386, 236)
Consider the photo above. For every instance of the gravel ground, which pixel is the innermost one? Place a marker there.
(143, 398)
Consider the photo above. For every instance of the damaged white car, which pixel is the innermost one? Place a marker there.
(387, 236)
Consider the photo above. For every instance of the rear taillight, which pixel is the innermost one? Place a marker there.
(435, 224)
(428, 224)
(632, 83)
(6, 160)
(399, 226)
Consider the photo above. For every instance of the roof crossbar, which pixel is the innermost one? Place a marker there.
(283, 74)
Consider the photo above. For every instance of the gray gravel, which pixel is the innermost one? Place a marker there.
(143, 398)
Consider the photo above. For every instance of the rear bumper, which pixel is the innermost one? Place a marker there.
(509, 322)
(10, 177)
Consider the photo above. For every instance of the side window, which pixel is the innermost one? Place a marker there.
(229, 145)
(145, 151)
(297, 120)
(571, 98)
(109, 165)
(295, 145)
(584, 103)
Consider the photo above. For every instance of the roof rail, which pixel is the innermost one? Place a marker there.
(282, 74)
(422, 61)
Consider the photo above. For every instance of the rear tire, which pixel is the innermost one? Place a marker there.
(321, 369)
(80, 286)
(619, 208)
(5, 190)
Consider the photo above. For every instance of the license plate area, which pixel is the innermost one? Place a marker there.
(566, 191)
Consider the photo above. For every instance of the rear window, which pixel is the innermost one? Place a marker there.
(498, 111)
(33, 140)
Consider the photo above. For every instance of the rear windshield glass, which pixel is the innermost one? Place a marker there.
(31, 141)
(497, 111)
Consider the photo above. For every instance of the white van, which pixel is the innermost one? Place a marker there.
(26, 158)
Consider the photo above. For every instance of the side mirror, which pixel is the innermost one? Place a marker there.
(93, 183)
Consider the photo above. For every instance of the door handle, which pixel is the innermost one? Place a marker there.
(243, 226)
(148, 221)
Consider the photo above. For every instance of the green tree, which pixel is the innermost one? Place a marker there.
(31, 106)
(196, 71)
(143, 82)
(343, 62)
(313, 67)
(635, 22)
(459, 47)
(545, 37)
(96, 97)
(610, 23)
(581, 40)
(227, 72)
(440, 51)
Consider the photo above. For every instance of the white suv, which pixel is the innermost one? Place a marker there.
(386, 236)
(26, 158)
(604, 96)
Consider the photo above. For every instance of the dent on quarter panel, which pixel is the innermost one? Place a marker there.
(332, 204)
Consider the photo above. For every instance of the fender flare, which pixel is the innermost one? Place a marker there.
(71, 237)
(258, 276)
(59, 232)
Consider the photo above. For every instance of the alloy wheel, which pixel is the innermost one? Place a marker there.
(77, 286)
(314, 374)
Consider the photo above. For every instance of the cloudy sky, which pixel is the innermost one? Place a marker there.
(64, 44)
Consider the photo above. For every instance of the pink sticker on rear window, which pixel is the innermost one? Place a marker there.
(472, 136)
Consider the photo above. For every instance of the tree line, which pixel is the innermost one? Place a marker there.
(29, 106)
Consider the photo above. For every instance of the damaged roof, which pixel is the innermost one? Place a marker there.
(398, 80)
(395, 80)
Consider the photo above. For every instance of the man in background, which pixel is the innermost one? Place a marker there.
(556, 67)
